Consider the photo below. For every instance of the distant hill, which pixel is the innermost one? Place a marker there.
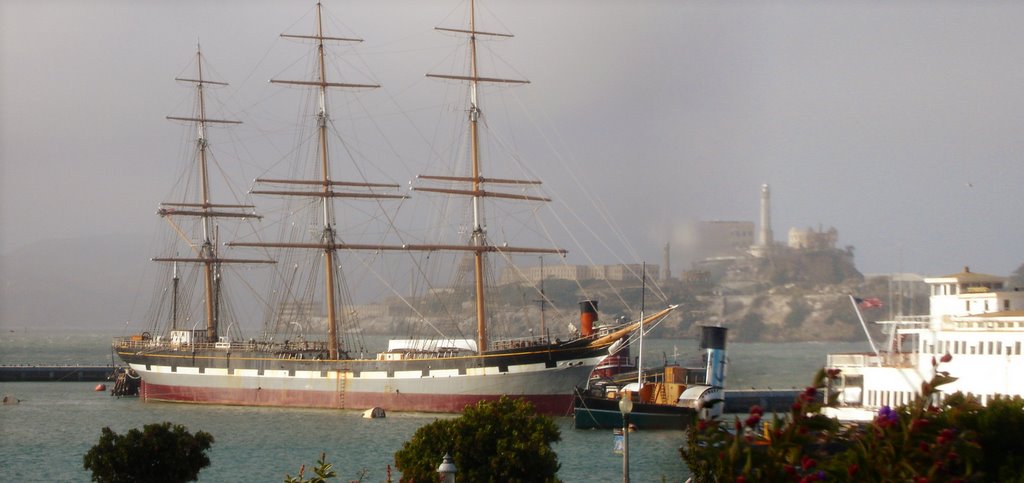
(101, 282)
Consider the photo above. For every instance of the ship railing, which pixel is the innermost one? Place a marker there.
(899, 359)
(129, 343)
(885, 359)
(907, 322)
(983, 323)
(405, 354)
(852, 360)
(518, 343)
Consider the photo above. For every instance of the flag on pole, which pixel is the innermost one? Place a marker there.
(868, 303)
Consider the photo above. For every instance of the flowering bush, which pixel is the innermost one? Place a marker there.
(924, 441)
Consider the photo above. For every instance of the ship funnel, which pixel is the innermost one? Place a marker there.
(712, 341)
(588, 315)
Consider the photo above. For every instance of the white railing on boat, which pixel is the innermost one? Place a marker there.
(885, 359)
(518, 343)
(292, 346)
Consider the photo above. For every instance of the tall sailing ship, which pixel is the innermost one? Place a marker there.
(213, 364)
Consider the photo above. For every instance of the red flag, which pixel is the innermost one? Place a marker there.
(868, 303)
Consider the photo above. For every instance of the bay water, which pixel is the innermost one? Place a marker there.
(44, 437)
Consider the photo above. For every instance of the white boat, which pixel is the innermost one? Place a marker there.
(973, 317)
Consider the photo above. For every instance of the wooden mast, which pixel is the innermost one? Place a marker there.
(208, 250)
(328, 233)
(478, 239)
(206, 254)
(328, 242)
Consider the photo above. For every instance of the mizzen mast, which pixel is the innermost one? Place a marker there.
(478, 239)
(206, 253)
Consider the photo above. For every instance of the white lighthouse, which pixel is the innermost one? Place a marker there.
(764, 238)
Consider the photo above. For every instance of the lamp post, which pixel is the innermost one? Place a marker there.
(447, 470)
(625, 407)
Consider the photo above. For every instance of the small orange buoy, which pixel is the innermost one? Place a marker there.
(100, 387)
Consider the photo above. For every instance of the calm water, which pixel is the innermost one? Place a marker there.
(44, 437)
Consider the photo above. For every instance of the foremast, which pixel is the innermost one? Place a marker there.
(325, 186)
(478, 243)
(206, 253)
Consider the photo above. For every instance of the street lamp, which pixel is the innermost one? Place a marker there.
(625, 407)
(447, 470)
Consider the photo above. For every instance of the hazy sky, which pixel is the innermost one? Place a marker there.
(899, 123)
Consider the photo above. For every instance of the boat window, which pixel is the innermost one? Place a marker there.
(1006, 304)
(1016, 348)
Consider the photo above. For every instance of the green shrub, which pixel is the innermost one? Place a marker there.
(159, 453)
(504, 440)
(924, 441)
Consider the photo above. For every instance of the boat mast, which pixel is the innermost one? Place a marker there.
(327, 238)
(206, 210)
(174, 297)
(326, 192)
(207, 251)
(479, 237)
(640, 357)
(543, 301)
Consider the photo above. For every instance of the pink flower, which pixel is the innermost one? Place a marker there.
(806, 463)
(753, 420)
(946, 358)
(852, 469)
(945, 436)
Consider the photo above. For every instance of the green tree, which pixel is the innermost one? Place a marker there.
(161, 452)
(504, 440)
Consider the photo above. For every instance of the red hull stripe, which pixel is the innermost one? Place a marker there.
(556, 405)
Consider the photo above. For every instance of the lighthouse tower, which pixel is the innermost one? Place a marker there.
(765, 237)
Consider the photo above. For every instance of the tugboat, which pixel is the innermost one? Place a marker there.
(668, 399)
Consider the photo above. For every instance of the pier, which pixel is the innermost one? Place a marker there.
(55, 373)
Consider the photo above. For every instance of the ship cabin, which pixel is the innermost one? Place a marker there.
(978, 319)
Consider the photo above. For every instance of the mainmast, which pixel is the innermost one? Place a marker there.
(478, 238)
(205, 209)
(328, 242)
